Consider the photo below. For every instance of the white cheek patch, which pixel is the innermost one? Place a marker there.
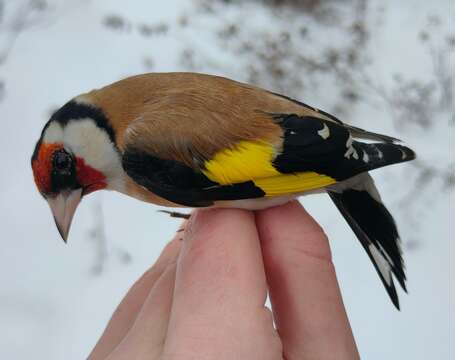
(89, 142)
(53, 133)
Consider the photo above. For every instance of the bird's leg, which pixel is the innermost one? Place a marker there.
(176, 214)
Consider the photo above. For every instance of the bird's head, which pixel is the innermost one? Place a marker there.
(75, 156)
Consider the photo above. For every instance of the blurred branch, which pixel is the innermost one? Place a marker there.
(28, 14)
(291, 58)
(421, 100)
(321, 10)
(24, 15)
(443, 75)
(98, 235)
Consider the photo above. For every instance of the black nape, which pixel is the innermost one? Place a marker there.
(73, 110)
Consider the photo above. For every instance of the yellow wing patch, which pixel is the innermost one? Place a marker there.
(247, 161)
(293, 183)
(252, 161)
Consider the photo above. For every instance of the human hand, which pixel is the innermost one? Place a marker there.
(204, 297)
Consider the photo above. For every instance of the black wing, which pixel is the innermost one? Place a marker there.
(328, 148)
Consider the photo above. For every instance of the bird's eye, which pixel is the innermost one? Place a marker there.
(62, 161)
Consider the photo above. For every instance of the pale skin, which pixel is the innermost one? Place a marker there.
(204, 297)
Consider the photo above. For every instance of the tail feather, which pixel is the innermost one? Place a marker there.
(375, 228)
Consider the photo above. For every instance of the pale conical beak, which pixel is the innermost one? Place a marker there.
(63, 207)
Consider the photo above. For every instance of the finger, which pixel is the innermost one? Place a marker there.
(218, 308)
(146, 338)
(306, 300)
(125, 314)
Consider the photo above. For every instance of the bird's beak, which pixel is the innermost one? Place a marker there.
(63, 207)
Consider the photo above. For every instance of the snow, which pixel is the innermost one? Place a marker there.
(54, 306)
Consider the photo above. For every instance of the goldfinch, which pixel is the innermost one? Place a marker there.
(195, 140)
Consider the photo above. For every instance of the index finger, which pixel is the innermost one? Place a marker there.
(220, 290)
(307, 304)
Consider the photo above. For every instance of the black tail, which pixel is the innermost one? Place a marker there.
(375, 228)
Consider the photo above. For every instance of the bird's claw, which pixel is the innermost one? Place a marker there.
(176, 214)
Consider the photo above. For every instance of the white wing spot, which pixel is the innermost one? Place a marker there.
(366, 157)
(324, 132)
(350, 149)
(403, 154)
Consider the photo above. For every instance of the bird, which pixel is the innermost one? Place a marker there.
(196, 140)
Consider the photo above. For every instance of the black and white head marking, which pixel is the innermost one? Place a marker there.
(85, 132)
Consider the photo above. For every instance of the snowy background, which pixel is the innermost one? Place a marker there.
(387, 66)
